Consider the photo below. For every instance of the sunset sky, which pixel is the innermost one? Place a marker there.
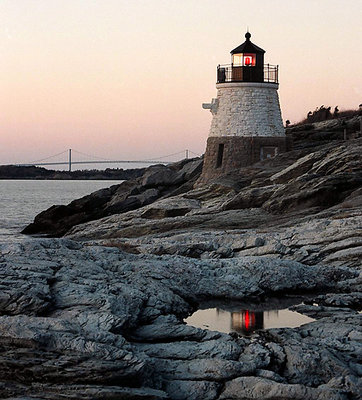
(126, 79)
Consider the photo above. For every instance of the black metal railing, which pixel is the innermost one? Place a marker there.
(236, 73)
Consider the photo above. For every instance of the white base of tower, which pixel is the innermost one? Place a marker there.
(247, 109)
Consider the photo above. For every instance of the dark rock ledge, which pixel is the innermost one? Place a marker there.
(90, 322)
(157, 182)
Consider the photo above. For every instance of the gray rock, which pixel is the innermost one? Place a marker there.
(300, 167)
(112, 317)
(192, 390)
(132, 225)
(171, 207)
(161, 176)
(250, 198)
(221, 347)
(211, 369)
(88, 392)
(249, 388)
(332, 237)
(271, 375)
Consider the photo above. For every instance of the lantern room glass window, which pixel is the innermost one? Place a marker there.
(237, 59)
(244, 60)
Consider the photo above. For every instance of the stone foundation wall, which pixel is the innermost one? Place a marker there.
(238, 152)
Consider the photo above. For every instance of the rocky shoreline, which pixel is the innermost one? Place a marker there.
(99, 313)
(83, 321)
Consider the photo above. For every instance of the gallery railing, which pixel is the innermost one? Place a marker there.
(236, 73)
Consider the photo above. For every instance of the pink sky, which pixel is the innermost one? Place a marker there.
(126, 79)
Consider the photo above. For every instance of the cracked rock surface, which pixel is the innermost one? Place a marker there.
(96, 322)
(99, 314)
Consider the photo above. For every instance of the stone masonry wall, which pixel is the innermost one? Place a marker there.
(247, 109)
(238, 152)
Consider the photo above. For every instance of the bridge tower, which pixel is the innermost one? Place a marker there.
(246, 126)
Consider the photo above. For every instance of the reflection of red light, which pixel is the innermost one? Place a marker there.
(247, 320)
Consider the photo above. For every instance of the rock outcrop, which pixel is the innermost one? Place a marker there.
(99, 314)
(158, 181)
(284, 207)
(80, 321)
(318, 133)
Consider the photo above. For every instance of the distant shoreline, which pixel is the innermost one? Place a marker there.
(61, 179)
(11, 172)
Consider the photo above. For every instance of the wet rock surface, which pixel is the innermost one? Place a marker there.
(97, 322)
(99, 313)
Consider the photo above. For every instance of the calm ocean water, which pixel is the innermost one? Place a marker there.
(22, 200)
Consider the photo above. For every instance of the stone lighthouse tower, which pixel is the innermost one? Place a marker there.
(246, 126)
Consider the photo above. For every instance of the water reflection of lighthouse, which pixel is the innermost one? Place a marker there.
(246, 321)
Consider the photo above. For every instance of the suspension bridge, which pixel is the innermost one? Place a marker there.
(70, 161)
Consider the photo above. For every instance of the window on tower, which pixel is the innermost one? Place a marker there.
(220, 155)
(244, 60)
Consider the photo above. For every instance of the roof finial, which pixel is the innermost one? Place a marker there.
(247, 34)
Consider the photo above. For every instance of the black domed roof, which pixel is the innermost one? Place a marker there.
(247, 46)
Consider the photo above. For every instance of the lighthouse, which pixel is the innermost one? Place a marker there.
(246, 122)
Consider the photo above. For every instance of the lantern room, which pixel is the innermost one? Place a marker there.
(243, 60)
(247, 65)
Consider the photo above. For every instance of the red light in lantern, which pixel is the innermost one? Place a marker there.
(247, 320)
(249, 60)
